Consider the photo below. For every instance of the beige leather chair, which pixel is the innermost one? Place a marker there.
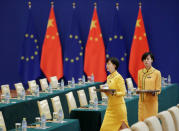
(178, 105)
(19, 87)
(2, 123)
(43, 84)
(129, 83)
(71, 101)
(139, 126)
(44, 109)
(153, 123)
(82, 98)
(54, 82)
(102, 93)
(92, 93)
(32, 86)
(174, 111)
(5, 89)
(127, 129)
(56, 103)
(167, 121)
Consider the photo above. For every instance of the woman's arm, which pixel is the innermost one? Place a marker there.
(120, 87)
(158, 82)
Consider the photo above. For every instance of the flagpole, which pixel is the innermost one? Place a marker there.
(143, 85)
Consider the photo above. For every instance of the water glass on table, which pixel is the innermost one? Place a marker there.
(18, 126)
(37, 119)
(96, 103)
(2, 98)
(105, 100)
(80, 82)
(55, 116)
(91, 103)
(69, 84)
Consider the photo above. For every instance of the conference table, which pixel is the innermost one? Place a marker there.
(17, 109)
(68, 125)
(91, 119)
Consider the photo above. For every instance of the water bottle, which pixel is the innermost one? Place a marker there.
(163, 81)
(92, 77)
(73, 82)
(62, 84)
(43, 121)
(23, 94)
(58, 86)
(169, 79)
(37, 90)
(24, 124)
(60, 115)
(50, 88)
(7, 97)
(96, 103)
(83, 79)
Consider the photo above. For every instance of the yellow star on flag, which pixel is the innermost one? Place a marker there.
(93, 24)
(138, 23)
(50, 23)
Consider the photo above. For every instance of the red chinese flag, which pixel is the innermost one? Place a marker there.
(51, 57)
(138, 48)
(94, 61)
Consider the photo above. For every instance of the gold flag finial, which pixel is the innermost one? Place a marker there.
(74, 5)
(29, 4)
(117, 6)
(95, 4)
(52, 4)
(140, 4)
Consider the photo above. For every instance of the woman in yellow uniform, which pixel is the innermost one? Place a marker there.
(116, 115)
(149, 78)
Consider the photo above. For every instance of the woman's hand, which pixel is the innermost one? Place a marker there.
(109, 93)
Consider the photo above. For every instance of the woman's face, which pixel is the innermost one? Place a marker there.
(148, 62)
(110, 67)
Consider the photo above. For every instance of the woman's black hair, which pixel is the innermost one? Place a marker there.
(114, 61)
(144, 56)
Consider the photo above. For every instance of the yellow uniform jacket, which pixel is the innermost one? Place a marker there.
(148, 104)
(116, 112)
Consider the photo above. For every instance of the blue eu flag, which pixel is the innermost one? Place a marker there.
(73, 50)
(116, 46)
(30, 58)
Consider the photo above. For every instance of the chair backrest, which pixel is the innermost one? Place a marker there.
(2, 123)
(153, 123)
(5, 89)
(56, 103)
(167, 121)
(71, 101)
(174, 111)
(19, 87)
(32, 84)
(92, 93)
(102, 93)
(178, 105)
(139, 126)
(53, 82)
(82, 97)
(127, 129)
(44, 109)
(129, 83)
(43, 84)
